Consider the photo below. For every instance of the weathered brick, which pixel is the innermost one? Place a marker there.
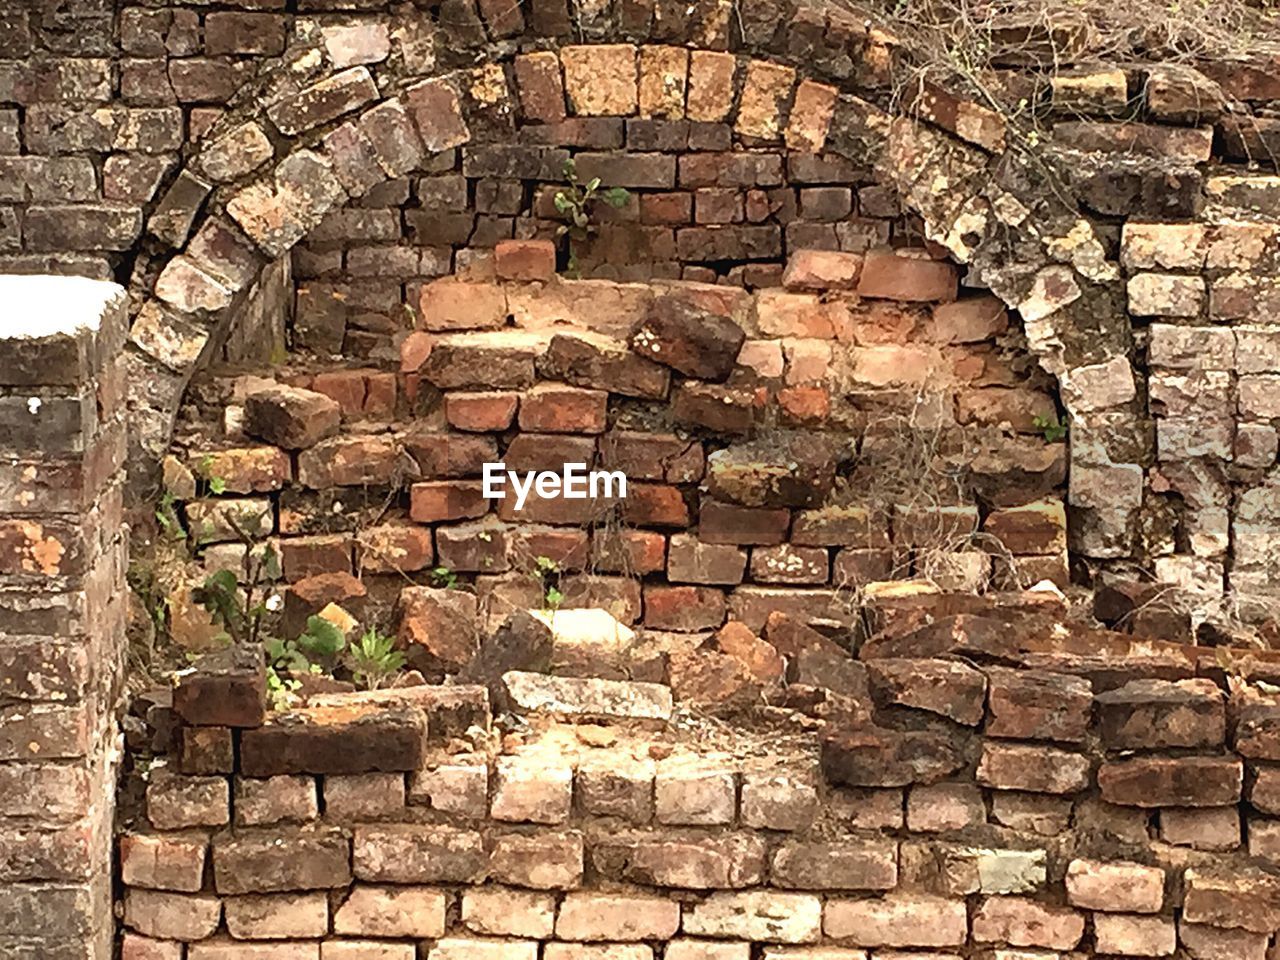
(757, 915)
(162, 863)
(595, 916)
(1171, 782)
(545, 861)
(437, 111)
(392, 911)
(842, 865)
(265, 862)
(171, 916)
(692, 796)
(765, 90)
(1038, 769)
(323, 101)
(277, 916)
(175, 802)
(272, 799)
(532, 791)
(1116, 886)
(412, 853)
(506, 912)
(1157, 714)
(601, 79)
(244, 33)
(540, 86)
(898, 920)
(1021, 922)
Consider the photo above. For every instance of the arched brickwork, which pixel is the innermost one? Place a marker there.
(313, 131)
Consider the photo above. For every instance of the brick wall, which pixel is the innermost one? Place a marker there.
(996, 783)
(785, 447)
(62, 612)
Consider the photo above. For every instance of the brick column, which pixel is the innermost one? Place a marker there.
(62, 611)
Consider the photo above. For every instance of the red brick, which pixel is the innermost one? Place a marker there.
(786, 563)
(441, 455)
(632, 552)
(714, 407)
(971, 320)
(162, 862)
(786, 314)
(349, 462)
(525, 259)
(554, 510)
(438, 626)
(1200, 781)
(683, 608)
(566, 548)
(760, 658)
(395, 548)
(473, 547)
(414, 350)
(666, 208)
(344, 387)
(822, 270)
(804, 406)
(439, 500)
(652, 456)
(380, 395)
(690, 560)
(893, 276)
(451, 304)
(480, 412)
(557, 409)
(853, 567)
(728, 523)
(540, 86)
(244, 470)
(548, 451)
(134, 946)
(1022, 922)
(302, 557)
(655, 505)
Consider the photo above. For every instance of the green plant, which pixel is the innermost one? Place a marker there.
(547, 572)
(1052, 429)
(281, 691)
(373, 659)
(576, 205)
(204, 470)
(241, 609)
(167, 517)
(444, 577)
(312, 651)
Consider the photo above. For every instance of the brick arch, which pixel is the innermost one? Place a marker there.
(315, 133)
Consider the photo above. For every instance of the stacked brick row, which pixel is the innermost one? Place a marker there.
(732, 479)
(1207, 289)
(62, 611)
(709, 216)
(1016, 793)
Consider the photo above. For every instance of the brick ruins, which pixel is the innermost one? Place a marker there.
(937, 621)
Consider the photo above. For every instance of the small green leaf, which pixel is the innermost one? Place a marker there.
(617, 197)
(593, 184)
(217, 485)
(563, 203)
(321, 638)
